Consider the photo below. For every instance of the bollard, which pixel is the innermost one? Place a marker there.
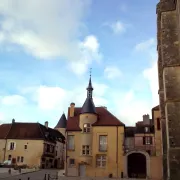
(9, 171)
(45, 177)
(48, 176)
(28, 178)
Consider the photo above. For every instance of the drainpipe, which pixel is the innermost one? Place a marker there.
(117, 149)
(5, 150)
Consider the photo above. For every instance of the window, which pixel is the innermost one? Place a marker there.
(25, 146)
(158, 124)
(147, 140)
(9, 157)
(71, 162)
(22, 158)
(86, 127)
(102, 143)
(12, 146)
(146, 129)
(18, 159)
(101, 161)
(85, 150)
(70, 142)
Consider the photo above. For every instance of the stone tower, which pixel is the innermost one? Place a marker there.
(61, 125)
(168, 36)
(87, 117)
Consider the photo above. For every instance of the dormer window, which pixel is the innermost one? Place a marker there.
(146, 129)
(86, 128)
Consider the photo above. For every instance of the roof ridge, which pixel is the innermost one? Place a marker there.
(113, 115)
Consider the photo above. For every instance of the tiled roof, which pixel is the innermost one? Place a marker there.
(156, 108)
(29, 131)
(105, 118)
(4, 130)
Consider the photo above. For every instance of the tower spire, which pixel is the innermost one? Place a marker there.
(88, 106)
(89, 88)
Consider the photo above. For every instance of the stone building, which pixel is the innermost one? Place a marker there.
(99, 144)
(31, 144)
(143, 144)
(168, 36)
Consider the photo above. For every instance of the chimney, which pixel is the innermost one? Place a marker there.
(146, 120)
(46, 124)
(13, 121)
(71, 113)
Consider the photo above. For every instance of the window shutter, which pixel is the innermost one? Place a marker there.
(14, 145)
(144, 140)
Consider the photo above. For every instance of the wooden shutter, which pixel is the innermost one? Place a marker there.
(144, 140)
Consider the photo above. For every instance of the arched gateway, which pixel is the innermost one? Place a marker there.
(137, 164)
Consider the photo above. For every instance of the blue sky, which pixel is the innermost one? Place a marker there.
(47, 50)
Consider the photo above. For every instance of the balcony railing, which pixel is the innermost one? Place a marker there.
(148, 148)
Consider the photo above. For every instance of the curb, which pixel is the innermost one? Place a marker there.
(20, 174)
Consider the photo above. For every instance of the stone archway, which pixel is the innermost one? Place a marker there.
(145, 158)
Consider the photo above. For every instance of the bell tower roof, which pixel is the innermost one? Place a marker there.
(88, 106)
(62, 122)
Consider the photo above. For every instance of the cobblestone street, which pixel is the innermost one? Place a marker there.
(40, 175)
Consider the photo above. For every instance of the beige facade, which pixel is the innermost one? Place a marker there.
(114, 153)
(25, 152)
(2, 148)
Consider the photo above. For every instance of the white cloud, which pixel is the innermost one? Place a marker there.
(89, 52)
(112, 72)
(145, 45)
(13, 100)
(118, 27)
(151, 74)
(45, 29)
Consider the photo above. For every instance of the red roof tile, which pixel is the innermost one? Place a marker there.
(105, 118)
(29, 131)
(4, 130)
(25, 131)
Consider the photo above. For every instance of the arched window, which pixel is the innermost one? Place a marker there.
(86, 127)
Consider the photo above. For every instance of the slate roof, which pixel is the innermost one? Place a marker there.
(29, 131)
(105, 118)
(88, 106)
(62, 122)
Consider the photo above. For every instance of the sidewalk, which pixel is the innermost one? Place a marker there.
(4, 172)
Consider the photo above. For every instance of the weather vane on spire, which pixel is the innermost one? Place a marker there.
(90, 70)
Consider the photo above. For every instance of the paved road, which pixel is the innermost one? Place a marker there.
(39, 175)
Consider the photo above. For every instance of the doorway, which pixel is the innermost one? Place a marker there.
(82, 170)
(136, 163)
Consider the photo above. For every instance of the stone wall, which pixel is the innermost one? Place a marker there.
(168, 36)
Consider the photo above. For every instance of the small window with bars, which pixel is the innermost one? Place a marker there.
(147, 140)
(101, 161)
(85, 150)
(86, 128)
